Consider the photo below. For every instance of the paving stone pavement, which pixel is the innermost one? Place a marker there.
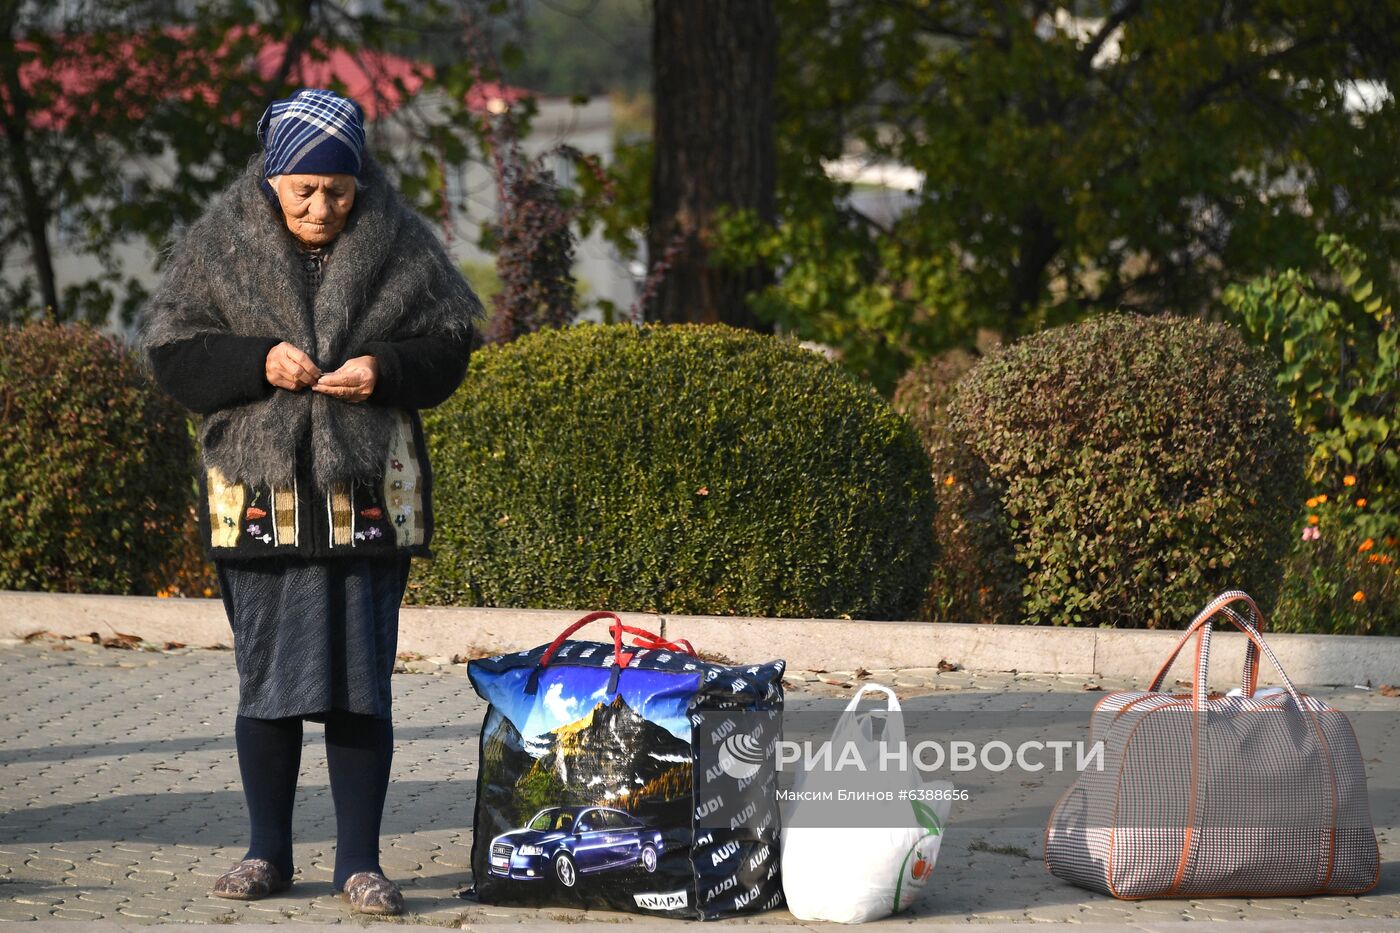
(120, 800)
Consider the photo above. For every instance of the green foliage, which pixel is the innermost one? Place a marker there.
(585, 48)
(696, 469)
(95, 466)
(882, 303)
(1067, 166)
(1340, 370)
(975, 577)
(1339, 367)
(1143, 464)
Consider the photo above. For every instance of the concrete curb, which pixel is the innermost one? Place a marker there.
(752, 925)
(806, 644)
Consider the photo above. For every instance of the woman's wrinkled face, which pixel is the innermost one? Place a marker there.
(315, 207)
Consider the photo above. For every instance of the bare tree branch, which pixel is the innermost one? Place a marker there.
(1126, 11)
(1244, 70)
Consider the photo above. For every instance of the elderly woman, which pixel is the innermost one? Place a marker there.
(307, 316)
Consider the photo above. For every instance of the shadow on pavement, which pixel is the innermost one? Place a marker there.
(461, 733)
(218, 818)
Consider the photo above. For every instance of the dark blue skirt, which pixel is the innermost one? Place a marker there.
(314, 635)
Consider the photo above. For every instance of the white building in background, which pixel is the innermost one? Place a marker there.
(471, 190)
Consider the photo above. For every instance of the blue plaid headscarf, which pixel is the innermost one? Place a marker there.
(313, 132)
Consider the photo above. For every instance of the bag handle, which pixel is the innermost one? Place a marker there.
(614, 630)
(644, 639)
(894, 724)
(1201, 628)
(891, 700)
(1249, 676)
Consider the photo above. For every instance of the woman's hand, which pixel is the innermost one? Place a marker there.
(352, 382)
(288, 368)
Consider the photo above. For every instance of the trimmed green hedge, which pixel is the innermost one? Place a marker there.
(1142, 466)
(95, 466)
(682, 469)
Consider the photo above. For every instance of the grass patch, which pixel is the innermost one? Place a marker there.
(982, 845)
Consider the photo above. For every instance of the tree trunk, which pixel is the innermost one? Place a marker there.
(713, 64)
(14, 120)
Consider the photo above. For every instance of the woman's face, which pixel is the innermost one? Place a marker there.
(315, 206)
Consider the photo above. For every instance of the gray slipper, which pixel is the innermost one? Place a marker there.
(251, 880)
(369, 892)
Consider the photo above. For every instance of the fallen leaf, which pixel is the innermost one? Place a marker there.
(42, 636)
(217, 646)
(122, 640)
(409, 656)
(1093, 688)
(172, 645)
(944, 666)
(92, 638)
(862, 673)
(1389, 690)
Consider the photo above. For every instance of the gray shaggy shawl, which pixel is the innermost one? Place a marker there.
(237, 271)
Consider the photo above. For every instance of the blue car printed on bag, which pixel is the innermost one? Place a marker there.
(564, 842)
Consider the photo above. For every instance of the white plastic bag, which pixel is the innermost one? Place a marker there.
(855, 874)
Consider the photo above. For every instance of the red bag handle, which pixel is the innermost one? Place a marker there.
(616, 630)
(644, 639)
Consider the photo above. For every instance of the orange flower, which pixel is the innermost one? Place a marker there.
(1361, 503)
(1367, 545)
(1322, 499)
(1313, 503)
(1348, 480)
(1312, 519)
(1358, 597)
(949, 480)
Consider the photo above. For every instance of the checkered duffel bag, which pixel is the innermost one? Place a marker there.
(1203, 795)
